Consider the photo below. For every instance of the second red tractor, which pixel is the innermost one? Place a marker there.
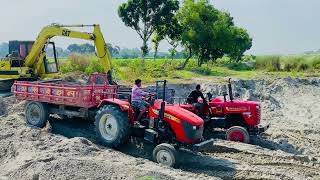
(239, 118)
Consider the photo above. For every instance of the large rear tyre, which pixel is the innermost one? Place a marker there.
(36, 114)
(112, 126)
(238, 134)
(165, 154)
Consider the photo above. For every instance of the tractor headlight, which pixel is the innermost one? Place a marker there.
(192, 131)
(196, 127)
(248, 114)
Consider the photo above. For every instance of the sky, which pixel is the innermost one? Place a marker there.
(276, 26)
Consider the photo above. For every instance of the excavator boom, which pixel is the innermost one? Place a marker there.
(54, 30)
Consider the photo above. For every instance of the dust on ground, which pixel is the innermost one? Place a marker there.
(67, 149)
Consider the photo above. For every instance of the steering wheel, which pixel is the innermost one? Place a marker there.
(150, 97)
(206, 104)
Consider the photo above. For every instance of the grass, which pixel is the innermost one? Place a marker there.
(127, 70)
(147, 178)
(297, 63)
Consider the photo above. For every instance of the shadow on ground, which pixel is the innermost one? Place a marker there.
(188, 161)
(262, 141)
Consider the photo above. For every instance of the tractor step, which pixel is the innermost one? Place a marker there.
(261, 128)
(203, 145)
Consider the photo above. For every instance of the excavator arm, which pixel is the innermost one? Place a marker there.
(36, 55)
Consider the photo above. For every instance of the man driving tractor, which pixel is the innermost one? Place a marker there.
(137, 98)
(194, 96)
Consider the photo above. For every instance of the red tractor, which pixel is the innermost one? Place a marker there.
(166, 126)
(239, 118)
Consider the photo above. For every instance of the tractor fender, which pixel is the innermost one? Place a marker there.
(124, 106)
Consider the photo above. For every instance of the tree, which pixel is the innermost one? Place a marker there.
(241, 43)
(126, 53)
(73, 48)
(81, 49)
(172, 33)
(156, 41)
(198, 19)
(209, 33)
(145, 16)
(86, 48)
(114, 50)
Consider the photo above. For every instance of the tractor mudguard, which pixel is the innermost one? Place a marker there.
(124, 106)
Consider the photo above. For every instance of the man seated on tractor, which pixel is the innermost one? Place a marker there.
(137, 99)
(194, 96)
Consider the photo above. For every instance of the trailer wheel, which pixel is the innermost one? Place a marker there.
(165, 154)
(36, 114)
(112, 126)
(238, 134)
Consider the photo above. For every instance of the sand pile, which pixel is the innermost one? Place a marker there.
(290, 149)
(27, 153)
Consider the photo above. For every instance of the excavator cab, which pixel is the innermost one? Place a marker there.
(19, 50)
(51, 64)
(13, 66)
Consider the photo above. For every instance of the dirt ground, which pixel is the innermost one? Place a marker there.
(67, 149)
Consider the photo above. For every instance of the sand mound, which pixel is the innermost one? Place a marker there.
(27, 153)
(67, 149)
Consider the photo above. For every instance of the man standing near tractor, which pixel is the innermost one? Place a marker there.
(137, 98)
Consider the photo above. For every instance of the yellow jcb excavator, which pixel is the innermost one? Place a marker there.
(27, 59)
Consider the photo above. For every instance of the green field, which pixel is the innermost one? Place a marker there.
(127, 70)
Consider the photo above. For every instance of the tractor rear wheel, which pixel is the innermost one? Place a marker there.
(165, 154)
(238, 134)
(36, 114)
(112, 126)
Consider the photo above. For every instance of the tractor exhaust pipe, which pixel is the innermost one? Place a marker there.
(163, 103)
(230, 90)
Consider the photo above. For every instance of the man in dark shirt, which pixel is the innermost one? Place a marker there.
(194, 96)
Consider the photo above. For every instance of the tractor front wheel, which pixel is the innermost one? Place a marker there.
(165, 154)
(112, 126)
(36, 114)
(238, 134)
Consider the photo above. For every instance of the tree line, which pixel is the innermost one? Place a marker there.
(87, 49)
(204, 31)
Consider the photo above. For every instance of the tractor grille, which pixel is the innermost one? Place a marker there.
(191, 132)
(258, 115)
